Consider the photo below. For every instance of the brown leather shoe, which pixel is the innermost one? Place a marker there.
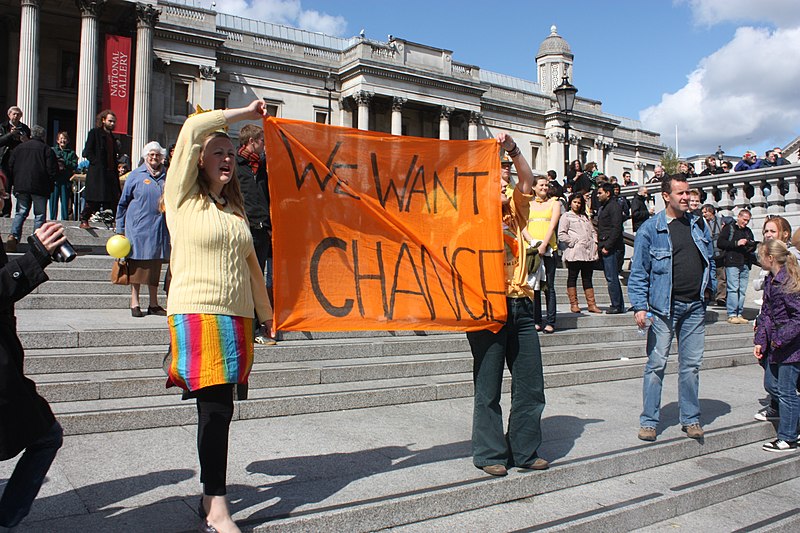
(495, 470)
(84, 225)
(157, 311)
(537, 464)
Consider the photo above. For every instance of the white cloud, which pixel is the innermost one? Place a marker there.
(781, 13)
(287, 12)
(742, 96)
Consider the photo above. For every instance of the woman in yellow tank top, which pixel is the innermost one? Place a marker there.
(542, 225)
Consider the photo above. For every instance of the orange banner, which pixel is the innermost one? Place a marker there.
(377, 232)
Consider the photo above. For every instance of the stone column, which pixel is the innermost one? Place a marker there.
(474, 119)
(207, 85)
(87, 70)
(363, 99)
(397, 114)
(28, 78)
(444, 122)
(146, 19)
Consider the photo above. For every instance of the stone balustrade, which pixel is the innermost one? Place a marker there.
(766, 191)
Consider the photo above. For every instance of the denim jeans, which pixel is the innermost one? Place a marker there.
(785, 377)
(688, 324)
(24, 201)
(612, 278)
(517, 346)
(550, 294)
(28, 476)
(770, 384)
(736, 278)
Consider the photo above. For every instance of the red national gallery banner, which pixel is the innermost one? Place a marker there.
(377, 232)
(117, 82)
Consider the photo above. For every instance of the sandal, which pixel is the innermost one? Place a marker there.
(549, 329)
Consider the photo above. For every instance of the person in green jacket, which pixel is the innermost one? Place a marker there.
(67, 163)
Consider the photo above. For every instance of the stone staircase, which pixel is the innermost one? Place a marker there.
(364, 431)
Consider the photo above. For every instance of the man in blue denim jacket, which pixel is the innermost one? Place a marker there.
(672, 277)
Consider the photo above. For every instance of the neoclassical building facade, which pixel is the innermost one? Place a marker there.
(184, 55)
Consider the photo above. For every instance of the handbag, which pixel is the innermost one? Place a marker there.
(119, 273)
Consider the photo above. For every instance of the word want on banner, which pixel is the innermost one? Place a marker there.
(116, 82)
(377, 232)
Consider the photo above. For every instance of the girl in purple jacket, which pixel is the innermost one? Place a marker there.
(778, 336)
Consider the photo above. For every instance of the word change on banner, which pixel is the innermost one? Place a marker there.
(377, 232)
(117, 82)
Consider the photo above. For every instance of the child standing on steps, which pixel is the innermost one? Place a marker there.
(778, 336)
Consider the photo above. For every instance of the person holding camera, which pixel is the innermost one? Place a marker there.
(12, 134)
(26, 421)
(738, 243)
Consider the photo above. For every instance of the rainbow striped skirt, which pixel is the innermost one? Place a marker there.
(209, 350)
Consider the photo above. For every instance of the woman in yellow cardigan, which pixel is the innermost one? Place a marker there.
(216, 284)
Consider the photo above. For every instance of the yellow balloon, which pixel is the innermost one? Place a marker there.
(118, 246)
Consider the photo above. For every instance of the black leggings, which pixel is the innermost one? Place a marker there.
(586, 268)
(214, 414)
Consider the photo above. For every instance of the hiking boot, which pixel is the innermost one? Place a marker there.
(537, 464)
(742, 320)
(779, 445)
(767, 413)
(733, 320)
(495, 470)
(11, 244)
(648, 434)
(693, 431)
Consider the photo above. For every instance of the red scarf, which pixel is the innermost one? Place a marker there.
(252, 158)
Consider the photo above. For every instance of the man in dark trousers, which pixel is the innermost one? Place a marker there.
(251, 171)
(640, 211)
(26, 421)
(12, 133)
(32, 167)
(610, 244)
(102, 179)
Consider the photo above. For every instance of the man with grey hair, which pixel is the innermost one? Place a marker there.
(12, 133)
(658, 175)
(32, 168)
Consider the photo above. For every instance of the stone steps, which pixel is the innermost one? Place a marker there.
(634, 501)
(409, 467)
(124, 402)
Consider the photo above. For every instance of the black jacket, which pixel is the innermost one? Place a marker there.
(10, 140)
(736, 255)
(255, 192)
(639, 211)
(24, 415)
(32, 167)
(102, 178)
(609, 225)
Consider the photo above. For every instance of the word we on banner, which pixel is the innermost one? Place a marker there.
(377, 232)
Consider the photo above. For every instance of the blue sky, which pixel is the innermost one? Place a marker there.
(725, 71)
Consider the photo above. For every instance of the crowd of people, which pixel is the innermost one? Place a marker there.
(212, 208)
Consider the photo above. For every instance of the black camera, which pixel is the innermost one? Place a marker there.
(65, 253)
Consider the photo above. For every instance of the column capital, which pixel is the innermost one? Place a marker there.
(398, 102)
(445, 112)
(207, 72)
(475, 117)
(31, 3)
(90, 8)
(147, 15)
(363, 98)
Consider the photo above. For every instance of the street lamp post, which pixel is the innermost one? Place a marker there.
(330, 86)
(565, 97)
